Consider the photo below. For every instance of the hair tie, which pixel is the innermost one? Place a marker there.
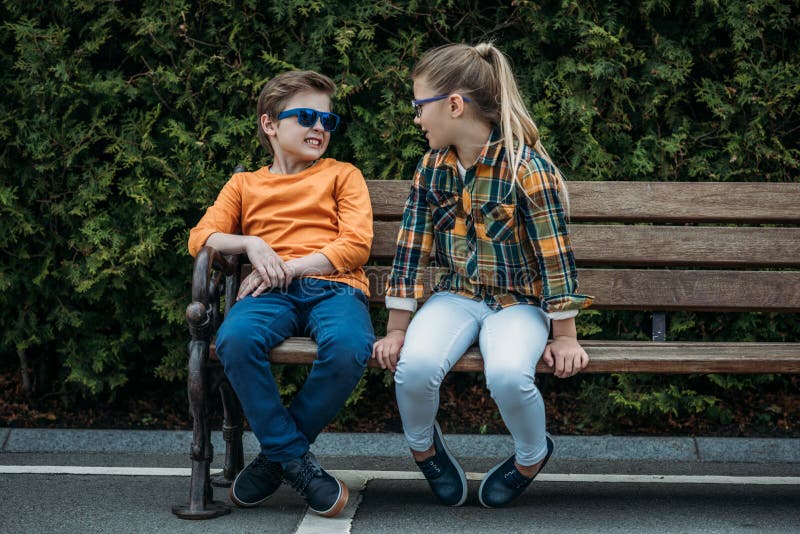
(484, 50)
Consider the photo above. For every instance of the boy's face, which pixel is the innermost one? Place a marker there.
(294, 142)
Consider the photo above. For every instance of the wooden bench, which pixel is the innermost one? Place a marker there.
(652, 246)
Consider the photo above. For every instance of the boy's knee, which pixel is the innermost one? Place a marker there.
(346, 349)
(233, 346)
(236, 343)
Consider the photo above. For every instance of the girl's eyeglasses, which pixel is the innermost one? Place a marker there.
(307, 118)
(417, 104)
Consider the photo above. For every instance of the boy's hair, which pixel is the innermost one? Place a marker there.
(484, 73)
(283, 87)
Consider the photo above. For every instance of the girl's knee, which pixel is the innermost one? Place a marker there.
(510, 383)
(419, 370)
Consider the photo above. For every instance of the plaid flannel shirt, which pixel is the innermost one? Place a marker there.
(497, 240)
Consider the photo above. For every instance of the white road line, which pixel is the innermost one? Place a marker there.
(87, 470)
(356, 480)
(671, 479)
(599, 478)
(341, 524)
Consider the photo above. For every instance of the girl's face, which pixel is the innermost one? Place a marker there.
(434, 120)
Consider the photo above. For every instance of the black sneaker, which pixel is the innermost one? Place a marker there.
(443, 473)
(256, 482)
(324, 494)
(504, 482)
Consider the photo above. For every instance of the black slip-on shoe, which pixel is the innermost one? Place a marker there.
(443, 473)
(504, 483)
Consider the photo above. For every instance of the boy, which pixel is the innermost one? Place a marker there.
(305, 224)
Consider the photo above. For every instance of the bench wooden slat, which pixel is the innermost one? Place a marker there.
(682, 202)
(661, 289)
(709, 246)
(625, 356)
(734, 202)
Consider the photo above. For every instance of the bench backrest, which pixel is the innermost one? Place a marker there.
(657, 246)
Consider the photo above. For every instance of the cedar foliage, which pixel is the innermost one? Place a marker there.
(121, 121)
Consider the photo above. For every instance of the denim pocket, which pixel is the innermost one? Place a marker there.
(499, 220)
(444, 209)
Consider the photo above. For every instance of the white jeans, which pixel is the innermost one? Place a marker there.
(511, 340)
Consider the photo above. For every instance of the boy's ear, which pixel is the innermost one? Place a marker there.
(267, 125)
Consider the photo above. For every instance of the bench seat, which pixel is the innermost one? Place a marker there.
(620, 357)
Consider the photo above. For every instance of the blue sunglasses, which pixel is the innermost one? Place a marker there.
(307, 118)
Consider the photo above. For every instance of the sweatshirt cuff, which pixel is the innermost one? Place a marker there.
(565, 303)
(330, 252)
(401, 303)
(198, 238)
(560, 315)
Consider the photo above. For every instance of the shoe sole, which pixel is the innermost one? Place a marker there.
(338, 506)
(241, 504)
(455, 463)
(550, 448)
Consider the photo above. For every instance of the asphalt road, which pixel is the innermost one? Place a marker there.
(595, 485)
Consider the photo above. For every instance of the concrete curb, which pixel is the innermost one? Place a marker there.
(746, 450)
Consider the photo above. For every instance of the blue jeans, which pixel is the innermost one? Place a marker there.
(337, 317)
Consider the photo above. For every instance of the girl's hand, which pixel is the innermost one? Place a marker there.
(387, 350)
(272, 270)
(566, 355)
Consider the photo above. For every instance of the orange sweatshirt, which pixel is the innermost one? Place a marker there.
(325, 208)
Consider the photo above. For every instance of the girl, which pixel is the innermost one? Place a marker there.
(491, 201)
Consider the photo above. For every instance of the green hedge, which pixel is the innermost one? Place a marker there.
(120, 121)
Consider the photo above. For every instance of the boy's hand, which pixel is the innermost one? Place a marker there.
(566, 355)
(272, 269)
(387, 350)
(252, 284)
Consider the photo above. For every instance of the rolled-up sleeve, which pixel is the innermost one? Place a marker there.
(546, 226)
(414, 241)
(350, 249)
(223, 216)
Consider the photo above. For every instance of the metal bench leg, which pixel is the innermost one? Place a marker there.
(232, 430)
(201, 498)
